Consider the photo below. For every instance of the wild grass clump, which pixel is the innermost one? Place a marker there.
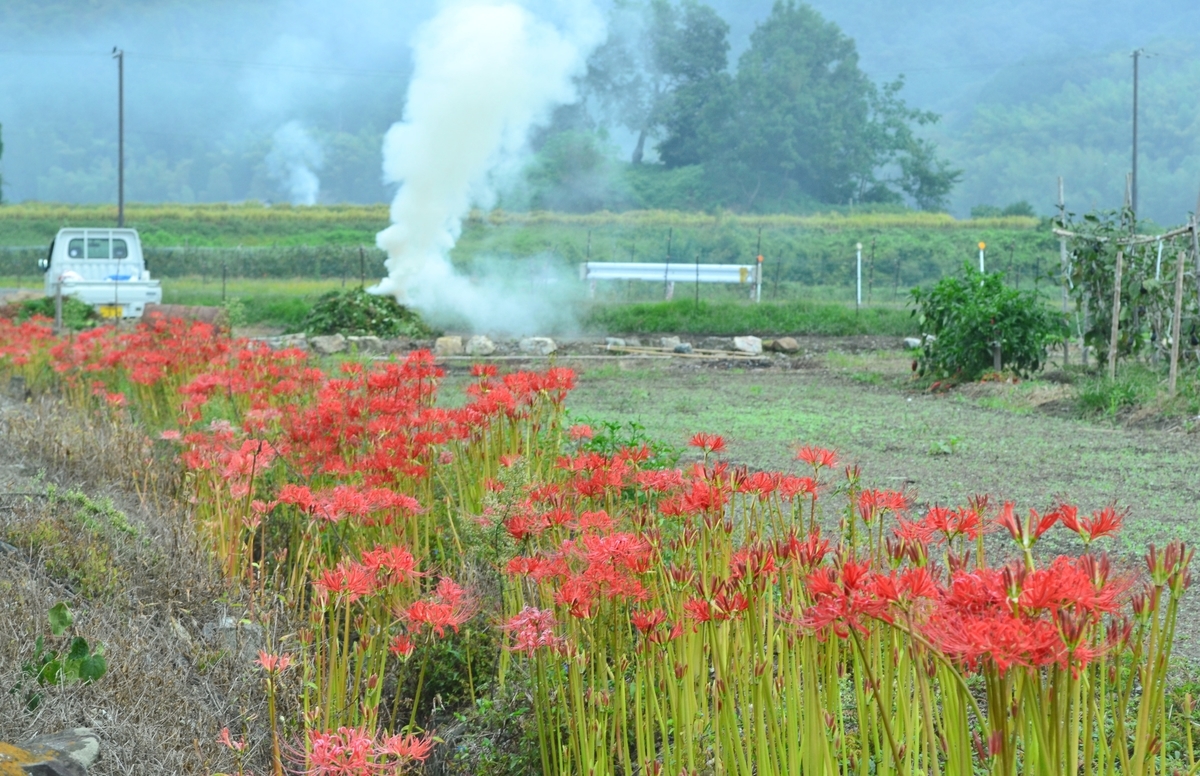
(739, 318)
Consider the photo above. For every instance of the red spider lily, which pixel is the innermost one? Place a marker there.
(484, 370)
(817, 457)
(348, 581)
(401, 646)
(533, 629)
(273, 664)
(406, 748)
(345, 752)
(1103, 522)
(581, 431)
(448, 608)
(709, 443)
(236, 745)
(392, 565)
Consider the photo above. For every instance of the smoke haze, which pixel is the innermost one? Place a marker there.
(293, 161)
(483, 75)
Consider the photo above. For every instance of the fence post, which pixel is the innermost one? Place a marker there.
(58, 315)
(1066, 267)
(224, 273)
(362, 267)
(1176, 325)
(1116, 318)
(858, 278)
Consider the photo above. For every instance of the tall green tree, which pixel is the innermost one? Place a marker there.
(657, 53)
(801, 122)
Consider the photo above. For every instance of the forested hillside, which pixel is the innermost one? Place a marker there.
(744, 105)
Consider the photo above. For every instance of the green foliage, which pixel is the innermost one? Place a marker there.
(78, 539)
(1020, 208)
(75, 661)
(611, 436)
(968, 315)
(76, 315)
(1133, 386)
(801, 122)
(737, 318)
(1147, 286)
(355, 312)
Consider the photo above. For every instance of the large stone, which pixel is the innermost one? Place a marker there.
(368, 345)
(537, 346)
(291, 341)
(480, 345)
(614, 342)
(448, 346)
(748, 344)
(912, 343)
(68, 753)
(328, 344)
(669, 343)
(787, 345)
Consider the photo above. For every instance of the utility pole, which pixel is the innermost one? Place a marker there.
(119, 55)
(1133, 186)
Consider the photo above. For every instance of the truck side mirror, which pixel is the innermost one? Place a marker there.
(43, 264)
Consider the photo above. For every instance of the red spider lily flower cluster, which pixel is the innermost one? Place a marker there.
(356, 752)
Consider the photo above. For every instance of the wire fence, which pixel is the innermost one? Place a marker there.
(828, 272)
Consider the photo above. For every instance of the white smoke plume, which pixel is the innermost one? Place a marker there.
(484, 74)
(293, 162)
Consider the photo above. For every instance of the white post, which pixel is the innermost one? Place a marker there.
(858, 277)
(982, 248)
(758, 280)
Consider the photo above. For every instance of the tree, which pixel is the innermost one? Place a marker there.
(802, 122)
(656, 54)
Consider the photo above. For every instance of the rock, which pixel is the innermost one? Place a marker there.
(243, 639)
(787, 345)
(912, 343)
(538, 346)
(328, 344)
(448, 346)
(751, 345)
(68, 753)
(669, 343)
(292, 341)
(633, 342)
(614, 342)
(683, 347)
(367, 344)
(480, 345)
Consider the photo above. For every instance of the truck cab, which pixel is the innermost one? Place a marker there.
(101, 267)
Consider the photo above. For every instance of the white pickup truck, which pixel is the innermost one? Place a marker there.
(101, 267)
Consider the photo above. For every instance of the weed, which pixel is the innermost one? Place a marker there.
(1134, 385)
(734, 318)
(75, 662)
(76, 315)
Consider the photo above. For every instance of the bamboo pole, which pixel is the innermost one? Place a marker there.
(1116, 318)
(1176, 324)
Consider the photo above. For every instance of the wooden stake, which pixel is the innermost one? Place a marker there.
(1116, 318)
(1176, 325)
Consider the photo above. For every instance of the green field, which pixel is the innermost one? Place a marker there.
(277, 259)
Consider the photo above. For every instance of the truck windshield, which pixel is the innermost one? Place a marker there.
(98, 248)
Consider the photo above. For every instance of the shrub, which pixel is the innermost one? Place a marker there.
(76, 315)
(355, 312)
(968, 315)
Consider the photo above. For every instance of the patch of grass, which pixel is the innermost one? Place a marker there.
(1135, 385)
(77, 539)
(737, 318)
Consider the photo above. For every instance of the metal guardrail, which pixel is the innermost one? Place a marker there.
(670, 273)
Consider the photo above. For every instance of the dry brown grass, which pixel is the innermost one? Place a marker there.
(172, 682)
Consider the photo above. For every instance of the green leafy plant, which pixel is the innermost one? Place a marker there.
(969, 315)
(76, 315)
(77, 661)
(355, 312)
(611, 436)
